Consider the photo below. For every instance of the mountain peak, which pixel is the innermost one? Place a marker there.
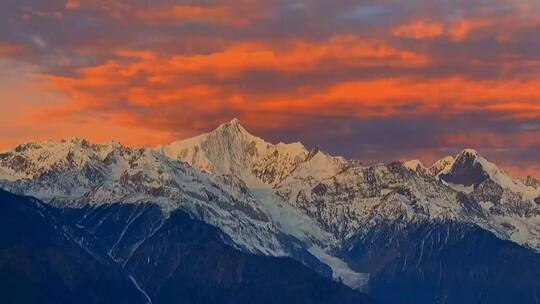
(228, 149)
(468, 169)
(413, 164)
(468, 152)
(235, 122)
(231, 128)
(442, 166)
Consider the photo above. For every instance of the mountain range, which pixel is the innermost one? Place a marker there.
(227, 216)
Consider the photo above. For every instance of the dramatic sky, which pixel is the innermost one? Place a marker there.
(372, 80)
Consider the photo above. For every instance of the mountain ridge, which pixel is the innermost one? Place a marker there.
(47, 257)
(273, 199)
(230, 150)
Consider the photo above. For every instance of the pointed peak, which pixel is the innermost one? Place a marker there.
(442, 166)
(235, 122)
(234, 125)
(469, 156)
(469, 152)
(414, 164)
(233, 129)
(469, 169)
(472, 156)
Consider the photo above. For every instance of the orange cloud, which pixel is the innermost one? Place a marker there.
(457, 30)
(73, 5)
(405, 96)
(297, 56)
(462, 29)
(149, 79)
(212, 82)
(420, 30)
(277, 64)
(522, 171)
(493, 140)
(219, 15)
(136, 83)
(496, 142)
(9, 50)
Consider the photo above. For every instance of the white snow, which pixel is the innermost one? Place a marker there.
(442, 166)
(460, 188)
(341, 271)
(319, 166)
(506, 181)
(293, 221)
(208, 175)
(486, 206)
(414, 164)
(526, 230)
(230, 149)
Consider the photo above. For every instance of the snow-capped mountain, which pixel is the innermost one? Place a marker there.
(263, 166)
(345, 197)
(75, 173)
(471, 169)
(48, 256)
(284, 199)
(230, 149)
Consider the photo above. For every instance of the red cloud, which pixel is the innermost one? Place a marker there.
(493, 140)
(73, 5)
(177, 94)
(462, 29)
(406, 96)
(172, 14)
(149, 79)
(420, 30)
(267, 62)
(9, 50)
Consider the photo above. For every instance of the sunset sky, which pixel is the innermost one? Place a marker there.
(371, 80)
